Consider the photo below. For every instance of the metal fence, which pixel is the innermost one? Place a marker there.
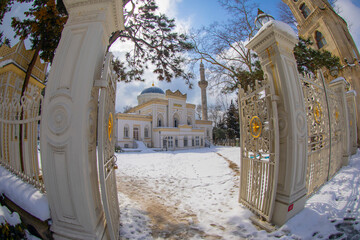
(19, 141)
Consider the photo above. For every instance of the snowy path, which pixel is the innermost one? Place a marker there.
(190, 194)
(193, 194)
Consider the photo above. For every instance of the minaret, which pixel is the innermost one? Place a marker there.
(203, 84)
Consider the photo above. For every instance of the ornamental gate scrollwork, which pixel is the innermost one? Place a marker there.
(318, 132)
(337, 124)
(106, 148)
(325, 120)
(259, 149)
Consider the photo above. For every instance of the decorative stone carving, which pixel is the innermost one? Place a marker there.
(59, 116)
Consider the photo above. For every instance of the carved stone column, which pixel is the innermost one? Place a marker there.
(274, 45)
(69, 119)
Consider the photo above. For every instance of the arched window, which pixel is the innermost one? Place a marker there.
(160, 121)
(146, 132)
(320, 40)
(176, 120)
(189, 121)
(126, 131)
(304, 10)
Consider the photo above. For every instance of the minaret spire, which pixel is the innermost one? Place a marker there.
(203, 85)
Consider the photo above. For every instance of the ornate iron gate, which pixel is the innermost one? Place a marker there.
(106, 148)
(259, 149)
(325, 123)
(318, 132)
(336, 115)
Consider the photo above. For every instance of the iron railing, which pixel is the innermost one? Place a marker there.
(20, 135)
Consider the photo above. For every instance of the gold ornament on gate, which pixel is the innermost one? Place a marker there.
(317, 112)
(110, 126)
(337, 114)
(255, 127)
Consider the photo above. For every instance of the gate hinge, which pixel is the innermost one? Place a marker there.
(275, 98)
(101, 83)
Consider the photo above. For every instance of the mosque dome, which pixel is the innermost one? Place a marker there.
(152, 90)
(150, 93)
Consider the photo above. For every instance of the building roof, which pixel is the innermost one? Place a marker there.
(152, 90)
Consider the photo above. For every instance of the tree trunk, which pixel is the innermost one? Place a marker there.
(29, 69)
(23, 90)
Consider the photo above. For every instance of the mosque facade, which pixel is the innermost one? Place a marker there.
(162, 120)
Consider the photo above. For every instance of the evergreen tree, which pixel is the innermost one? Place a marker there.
(44, 25)
(219, 131)
(309, 60)
(232, 122)
(5, 41)
(155, 42)
(5, 6)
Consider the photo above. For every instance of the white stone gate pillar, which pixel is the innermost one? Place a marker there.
(274, 45)
(69, 119)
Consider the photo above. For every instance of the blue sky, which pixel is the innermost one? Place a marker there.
(195, 14)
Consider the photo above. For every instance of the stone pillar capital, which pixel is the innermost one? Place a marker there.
(273, 34)
(109, 12)
(340, 81)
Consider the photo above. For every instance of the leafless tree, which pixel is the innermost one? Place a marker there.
(127, 108)
(215, 113)
(222, 46)
(285, 15)
(198, 111)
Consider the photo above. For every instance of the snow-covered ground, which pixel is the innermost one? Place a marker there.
(193, 194)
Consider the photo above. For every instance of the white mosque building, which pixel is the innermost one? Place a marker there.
(165, 120)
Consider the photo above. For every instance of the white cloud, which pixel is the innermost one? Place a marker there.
(168, 7)
(350, 12)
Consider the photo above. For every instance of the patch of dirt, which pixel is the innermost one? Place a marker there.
(232, 165)
(167, 222)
